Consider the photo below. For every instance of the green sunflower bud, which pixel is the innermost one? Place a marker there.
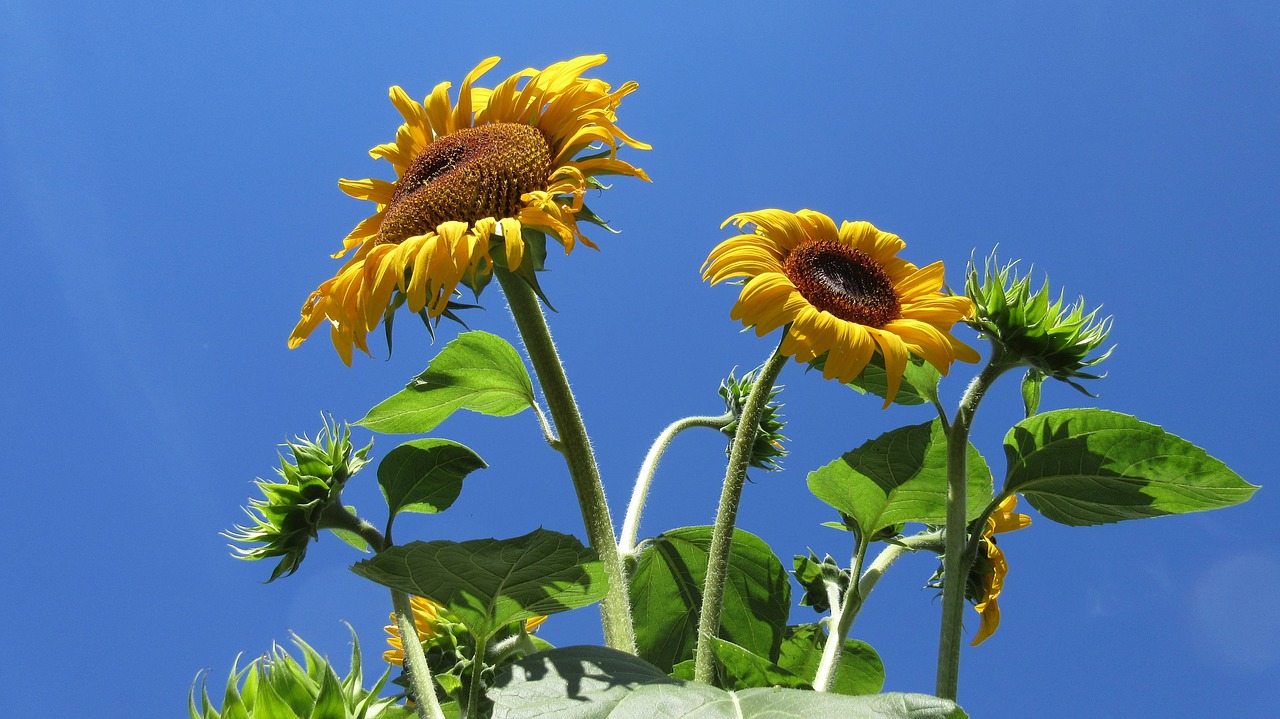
(1029, 329)
(295, 510)
(767, 449)
(276, 685)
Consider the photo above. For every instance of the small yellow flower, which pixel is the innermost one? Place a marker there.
(842, 293)
(427, 616)
(469, 174)
(991, 566)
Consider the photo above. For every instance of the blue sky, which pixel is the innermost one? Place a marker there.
(168, 199)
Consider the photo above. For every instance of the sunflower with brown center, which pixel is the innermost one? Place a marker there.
(842, 293)
(469, 175)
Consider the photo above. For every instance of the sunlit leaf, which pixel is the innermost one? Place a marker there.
(477, 371)
(1090, 466)
(900, 476)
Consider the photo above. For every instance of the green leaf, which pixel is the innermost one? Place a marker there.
(814, 575)
(741, 669)
(477, 371)
(490, 583)
(1090, 466)
(919, 383)
(901, 476)
(600, 683)
(425, 475)
(666, 595)
(1032, 382)
(329, 703)
(860, 670)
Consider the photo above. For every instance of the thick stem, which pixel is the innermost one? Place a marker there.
(956, 562)
(575, 445)
(337, 516)
(722, 533)
(631, 523)
(424, 691)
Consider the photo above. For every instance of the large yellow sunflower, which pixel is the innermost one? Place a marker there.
(469, 174)
(841, 292)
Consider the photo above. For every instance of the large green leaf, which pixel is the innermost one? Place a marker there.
(490, 583)
(1089, 466)
(425, 475)
(860, 670)
(477, 371)
(666, 595)
(900, 476)
(599, 683)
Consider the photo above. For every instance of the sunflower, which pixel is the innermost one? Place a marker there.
(843, 293)
(427, 617)
(470, 174)
(990, 567)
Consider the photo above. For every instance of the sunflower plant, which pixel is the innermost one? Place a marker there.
(483, 178)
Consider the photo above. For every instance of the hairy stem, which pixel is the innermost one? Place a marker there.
(956, 561)
(639, 494)
(415, 660)
(575, 445)
(722, 533)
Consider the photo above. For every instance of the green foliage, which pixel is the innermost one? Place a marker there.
(1032, 384)
(860, 671)
(1031, 330)
(1090, 466)
(919, 380)
(901, 476)
(666, 595)
(595, 683)
(276, 686)
(490, 583)
(477, 371)
(815, 575)
(295, 510)
(767, 448)
(425, 475)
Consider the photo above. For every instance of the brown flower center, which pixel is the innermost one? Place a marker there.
(465, 176)
(843, 281)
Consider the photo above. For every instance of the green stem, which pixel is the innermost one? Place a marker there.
(415, 660)
(956, 561)
(337, 516)
(475, 696)
(575, 445)
(722, 533)
(842, 616)
(631, 523)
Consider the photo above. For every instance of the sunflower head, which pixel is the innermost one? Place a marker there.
(489, 171)
(276, 685)
(840, 292)
(986, 576)
(294, 510)
(1029, 328)
(767, 449)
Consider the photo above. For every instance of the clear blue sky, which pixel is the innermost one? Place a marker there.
(168, 199)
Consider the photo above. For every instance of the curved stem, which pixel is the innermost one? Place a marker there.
(843, 614)
(955, 561)
(631, 523)
(337, 516)
(575, 445)
(722, 533)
